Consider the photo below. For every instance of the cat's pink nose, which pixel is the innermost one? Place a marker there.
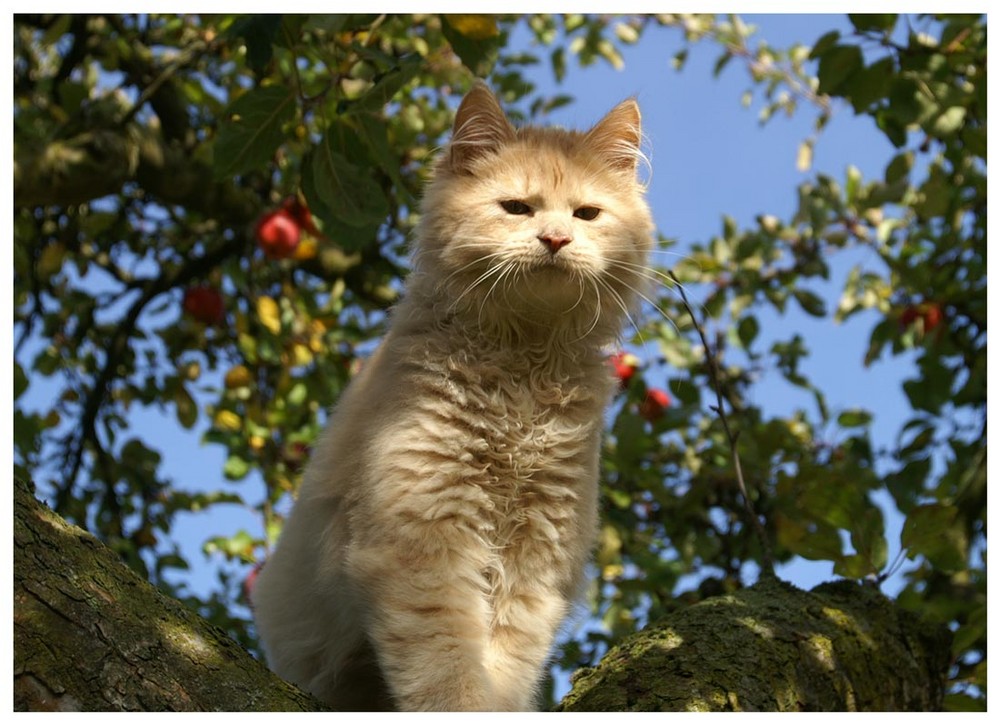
(554, 241)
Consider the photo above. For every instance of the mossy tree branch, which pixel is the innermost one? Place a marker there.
(90, 634)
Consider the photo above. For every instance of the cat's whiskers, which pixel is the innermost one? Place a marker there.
(598, 307)
(508, 265)
(492, 270)
(639, 294)
(657, 277)
(616, 296)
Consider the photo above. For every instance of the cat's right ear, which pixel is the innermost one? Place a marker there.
(481, 127)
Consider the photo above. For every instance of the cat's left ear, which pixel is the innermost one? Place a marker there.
(480, 128)
(617, 136)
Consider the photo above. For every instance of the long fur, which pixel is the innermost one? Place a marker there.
(446, 517)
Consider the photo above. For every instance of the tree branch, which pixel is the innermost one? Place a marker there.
(767, 558)
(90, 634)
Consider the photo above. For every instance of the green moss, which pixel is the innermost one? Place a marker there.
(773, 647)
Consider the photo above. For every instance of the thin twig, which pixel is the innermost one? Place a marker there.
(767, 560)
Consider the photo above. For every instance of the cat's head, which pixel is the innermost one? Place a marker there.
(537, 226)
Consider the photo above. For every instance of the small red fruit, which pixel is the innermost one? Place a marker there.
(204, 304)
(656, 403)
(929, 313)
(278, 234)
(625, 365)
(932, 316)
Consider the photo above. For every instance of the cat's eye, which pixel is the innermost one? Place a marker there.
(587, 213)
(513, 206)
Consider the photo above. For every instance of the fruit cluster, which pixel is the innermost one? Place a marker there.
(282, 233)
(656, 401)
(928, 315)
(279, 232)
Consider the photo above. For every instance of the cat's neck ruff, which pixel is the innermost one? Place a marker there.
(584, 329)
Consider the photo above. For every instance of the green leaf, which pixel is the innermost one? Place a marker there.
(685, 391)
(812, 303)
(558, 60)
(258, 31)
(812, 540)
(187, 409)
(721, 63)
(747, 330)
(235, 468)
(339, 191)
(906, 484)
(822, 45)
(373, 133)
(949, 121)
(20, 380)
(854, 418)
(883, 22)
(899, 168)
(869, 85)
(478, 55)
(238, 546)
(868, 539)
(253, 130)
(298, 394)
(935, 531)
(836, 66)
(388, 85)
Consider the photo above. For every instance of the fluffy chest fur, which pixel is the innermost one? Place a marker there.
(501, 443)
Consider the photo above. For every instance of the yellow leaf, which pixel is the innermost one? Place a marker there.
(476, 27)
(317, 332)
(301, 354)
(192, 370)
(805, 157)
(51, 260)
(269, 314)
(257, 442)
(228, 420)
(612, 571)
(306, 249)
(238, 377)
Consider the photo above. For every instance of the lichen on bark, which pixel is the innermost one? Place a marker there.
(772, 647)
(90, 634)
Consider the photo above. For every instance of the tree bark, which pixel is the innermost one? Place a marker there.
(772, 647)
(90, 634)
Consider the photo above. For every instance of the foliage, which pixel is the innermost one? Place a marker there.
(146, 148)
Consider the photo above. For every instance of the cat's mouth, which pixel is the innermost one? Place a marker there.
(548, 263)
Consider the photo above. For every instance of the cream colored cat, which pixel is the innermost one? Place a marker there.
(445, 520)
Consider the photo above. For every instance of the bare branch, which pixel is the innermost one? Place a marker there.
(767, 559)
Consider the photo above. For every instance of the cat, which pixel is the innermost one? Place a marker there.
(447, 515)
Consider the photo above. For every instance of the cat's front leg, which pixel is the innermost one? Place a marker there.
(428, 621)
(525, 622)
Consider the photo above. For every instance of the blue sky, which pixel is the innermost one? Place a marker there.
(710, 157)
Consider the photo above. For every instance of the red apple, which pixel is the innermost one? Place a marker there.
(204, 304)
(933, 314)
(929, 313)
(278, 234)
(656, 403)
(625, 365)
